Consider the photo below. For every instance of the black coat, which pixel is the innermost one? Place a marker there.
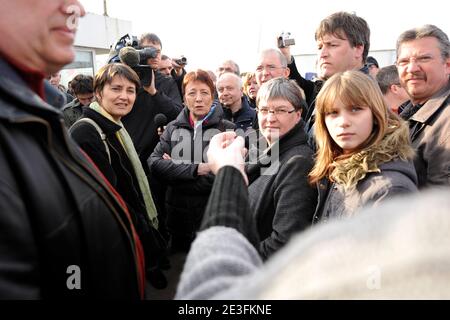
(55, 210)
(283, 202)
(120, 172)
(187, 193)
(244, 118)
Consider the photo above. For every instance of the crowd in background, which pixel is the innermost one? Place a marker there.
(118, 176)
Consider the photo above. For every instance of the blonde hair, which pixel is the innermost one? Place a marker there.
(351, 88)
(246, 81)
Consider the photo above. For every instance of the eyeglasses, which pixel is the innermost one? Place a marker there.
(403, 62)
(269, 68)
(277, 112)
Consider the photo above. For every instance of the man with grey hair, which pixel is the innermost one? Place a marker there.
(394, 94)
(423, 62)
(235, 107)
(271, 64)
(228, 66)
(65, 232)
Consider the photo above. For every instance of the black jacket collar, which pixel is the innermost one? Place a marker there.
(108, 126)
(12, 85)
(244, 113)
(295, 137)
(183, 118)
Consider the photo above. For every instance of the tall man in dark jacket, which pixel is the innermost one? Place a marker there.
(423, 62)
(162, 96)
(343, 41)
(58, 217)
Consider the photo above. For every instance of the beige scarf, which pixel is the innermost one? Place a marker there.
(395, 145)
(130, 150)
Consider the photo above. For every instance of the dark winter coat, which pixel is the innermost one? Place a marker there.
(367, 180)
(430, 136)
(282, 202)
(56, 212)
(119, 171)
(244, 118)
(72, 112)
(187, 193)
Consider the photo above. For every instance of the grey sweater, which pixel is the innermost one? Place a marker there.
(396, 251)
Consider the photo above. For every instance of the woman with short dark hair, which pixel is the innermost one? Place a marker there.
(101, 134)
(281, 199)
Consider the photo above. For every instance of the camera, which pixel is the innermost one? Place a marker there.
(127, 51)
(182, 61)
(131, 41)
(285, 40)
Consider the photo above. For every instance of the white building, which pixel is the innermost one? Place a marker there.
(96, 34)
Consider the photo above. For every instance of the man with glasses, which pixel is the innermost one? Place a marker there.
(423, 62)
(271, 64)
(394, 94)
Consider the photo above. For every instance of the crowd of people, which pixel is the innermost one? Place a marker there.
(273, 186)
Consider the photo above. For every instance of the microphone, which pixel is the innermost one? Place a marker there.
(129, 56)
(160, 120)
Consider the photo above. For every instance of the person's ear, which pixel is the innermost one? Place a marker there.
(287, 72)
(359, 50)
(447, 66)
(98, 96)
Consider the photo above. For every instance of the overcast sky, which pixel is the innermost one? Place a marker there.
(208, 32)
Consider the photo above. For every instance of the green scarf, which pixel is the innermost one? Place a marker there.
(128, 146)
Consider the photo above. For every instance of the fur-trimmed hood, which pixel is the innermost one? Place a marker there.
(394, 146)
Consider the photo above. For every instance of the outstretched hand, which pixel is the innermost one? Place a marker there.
(227, 149)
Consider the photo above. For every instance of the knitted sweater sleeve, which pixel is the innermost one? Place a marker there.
(224, 251)
(228, 205)
(220, 259)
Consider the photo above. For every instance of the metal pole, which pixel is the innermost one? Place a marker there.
(105, 9)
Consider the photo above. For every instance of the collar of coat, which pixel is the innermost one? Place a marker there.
(433, 105)
(295, 137)
(183, 119)
(394, 145)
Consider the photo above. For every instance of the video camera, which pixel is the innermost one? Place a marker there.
(285, 40)
(127, 51)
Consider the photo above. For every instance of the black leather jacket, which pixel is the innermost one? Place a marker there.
(55, 210)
